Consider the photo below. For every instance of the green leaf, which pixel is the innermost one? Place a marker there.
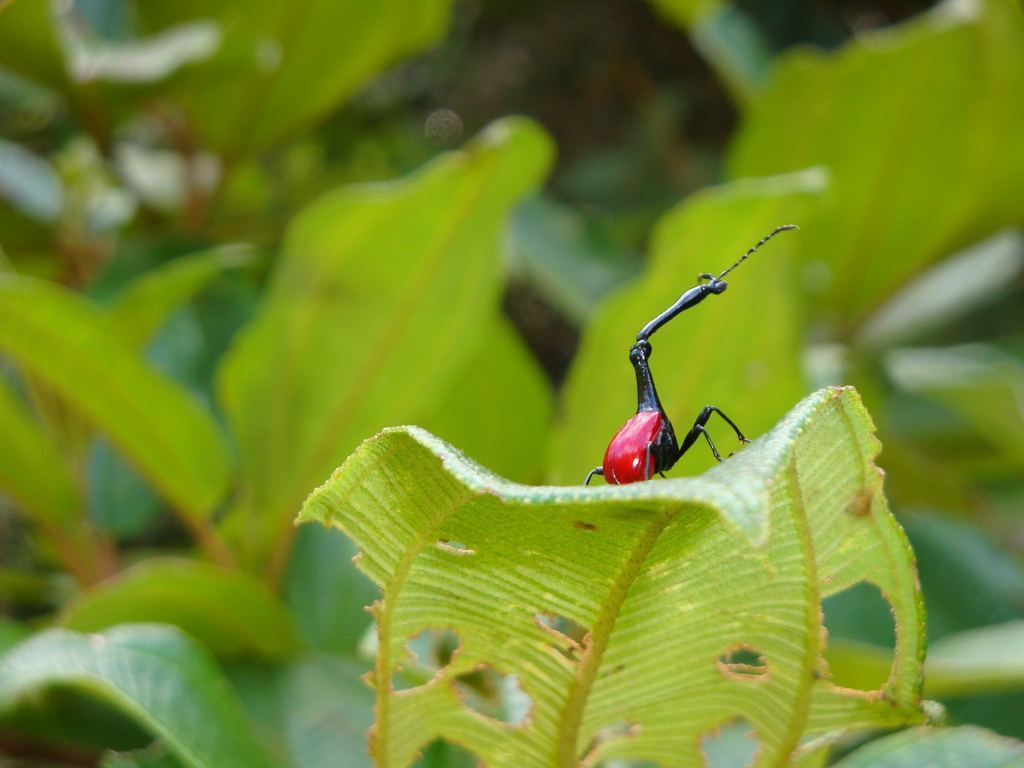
(28, 42)
(121, 503)
(625, 614)
(11, 633)
(687, 12)
(328, 710)
(739, 351)
(37, 477)
(902, 197)
(313, 710)
(142, 307)
(986, 660)
(969, 579)
(34, 588)
(155, 675)
(377, 302)
(326, 592)
(980, 660)
(280, 67)
(498, 407)
(152, 757)
(982, 385)
(32, 470)
(70, 345)
(938, 748)
(229, 612)
(948, 294)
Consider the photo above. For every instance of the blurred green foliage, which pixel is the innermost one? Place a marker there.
(232, 246)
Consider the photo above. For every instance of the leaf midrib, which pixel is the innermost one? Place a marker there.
(382, 672)
(568, 731)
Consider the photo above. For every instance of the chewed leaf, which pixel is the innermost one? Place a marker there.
(700, 597)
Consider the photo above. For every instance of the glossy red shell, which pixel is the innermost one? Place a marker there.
(627, 452)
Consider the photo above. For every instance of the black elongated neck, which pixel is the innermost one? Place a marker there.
(690, 298)
(646, 394)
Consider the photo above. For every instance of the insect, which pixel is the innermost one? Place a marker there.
(646, 443)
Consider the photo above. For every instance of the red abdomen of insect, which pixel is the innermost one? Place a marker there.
(626, 457)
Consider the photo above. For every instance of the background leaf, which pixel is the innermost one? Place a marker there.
(154, 674)
(347, 340)
(498, 407)
(892, 209)
(11, 633)
(35, 475)
(983, 659)
(228, 612)
(144, 305)
(68, 343)
(315, 709)
(154, 757)
(938, 748)
(28, 43)
(32, 470)
(326, 593)
(981, 385)
(970, 581)
(280, 67)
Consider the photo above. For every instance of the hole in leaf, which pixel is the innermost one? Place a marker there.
(731, 745)
(426, 654)
(861, 637)
(570, 638)
(563, 625)
(743, 662)
(492, 694)
(454, 547)
(621, 729)
(443, 753)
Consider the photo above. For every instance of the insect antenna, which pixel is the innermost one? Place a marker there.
(759, 243)
(699, 292)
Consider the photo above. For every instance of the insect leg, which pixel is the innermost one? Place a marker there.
(712, 409)
(591, 473)
(698, 430)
